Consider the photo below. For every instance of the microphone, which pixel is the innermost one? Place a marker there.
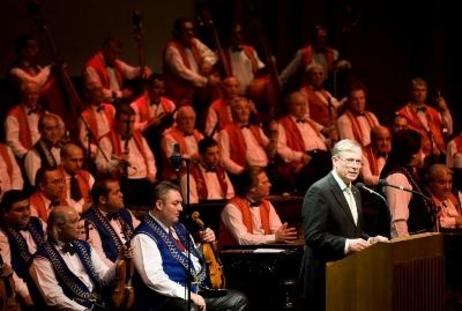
(360, 185)
(383, 183)
(176, 158)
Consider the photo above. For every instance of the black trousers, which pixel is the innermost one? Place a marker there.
(231, 301)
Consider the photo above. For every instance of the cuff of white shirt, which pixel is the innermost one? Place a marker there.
(347, 246)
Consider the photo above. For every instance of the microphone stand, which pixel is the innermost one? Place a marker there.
(188, 241)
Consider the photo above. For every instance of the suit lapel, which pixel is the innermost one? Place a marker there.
(340, 198)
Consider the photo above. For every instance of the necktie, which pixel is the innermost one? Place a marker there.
(112, 216)
(301, 121)
(352, 204)
(245, 126)
(68, 248)
(421, 108)
(76, 195)
(178, 243)
(53, 203)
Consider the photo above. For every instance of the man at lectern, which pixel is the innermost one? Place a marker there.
(332, 221)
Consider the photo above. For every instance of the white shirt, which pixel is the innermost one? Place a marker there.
(241, 67)
(255, 154)
(231, 216)
(32, 162)
(447, 213)
(44, 276)
(5, 251)
(7, 182)
(12, 129)
(345, 128)
(174, 60)
(24, 76)
(103, 127)
(148, 263)
(398, 203)
(214, 191)
(95, 239)
(453, 158)
(92, 78)
(192, 147)
(137, 169)
(212, 120)
(311, 141)
(350, 201)
(156, 111)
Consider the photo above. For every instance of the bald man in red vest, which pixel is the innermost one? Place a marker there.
(250, 218)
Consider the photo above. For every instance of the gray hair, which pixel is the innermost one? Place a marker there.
(346, 145)
(57, 219)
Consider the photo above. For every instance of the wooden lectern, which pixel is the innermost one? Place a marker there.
(404, 274)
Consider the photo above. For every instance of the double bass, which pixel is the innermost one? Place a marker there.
(215, 267)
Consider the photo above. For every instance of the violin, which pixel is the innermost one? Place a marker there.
(7, 294)
(215, 267)
(123, 296)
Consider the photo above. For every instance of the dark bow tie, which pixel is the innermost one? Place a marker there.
(246, 126)
(188, 134)
(210, 169)
(255, 204)
(99, 108)
(68, 248)
(301, 121)
(31, 111)
(421, 108)
(112, 216)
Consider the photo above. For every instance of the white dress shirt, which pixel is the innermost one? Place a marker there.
(92, 78)
(255, 154)
(95, 239)
(192, 145)
(366, 173)
(447, 213)
(103, 127)
(311, 141)
(214, 191)
(44, 276)
(148, 263)
(12, 129)
(15, 181)
(77, 205)
(345, 128)
(137, 169)
(231, 216)
(242, 68)
(32, 162)
(212, 120)
(5, 251)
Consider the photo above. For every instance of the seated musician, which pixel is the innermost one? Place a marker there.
(68, 271)
(97, 117)
(249, 218)
(208, 179)
(77, 181)
(49, 193)
(185, 135)
(125, 151)
(375, 155)
(301, 146)
(243, 144)
(152, 106)
(20, 236)
(160, 245)
(439, 185)
(10, 172)
(109, 225)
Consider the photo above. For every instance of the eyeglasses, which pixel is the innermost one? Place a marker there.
(352, 161)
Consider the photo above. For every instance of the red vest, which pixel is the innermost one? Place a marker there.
(201, 185)
(98, 63)
(357, 132)
(7, 159)
(372, 159)
(307, 54)
(226, 238)
(237, 145)
(249, 51)
(142, 104)
(319, 110)
(434, 123)
(25, 136)
(90, 117)
(83, 180)
(117, 148)
(178, 89)
(224, 117)
(36, 200)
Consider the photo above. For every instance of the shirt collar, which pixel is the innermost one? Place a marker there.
(161, 224)
(340, 181)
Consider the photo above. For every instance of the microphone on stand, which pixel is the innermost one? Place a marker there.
(360, 185)
(383, 183)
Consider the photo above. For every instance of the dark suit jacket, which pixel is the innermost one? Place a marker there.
(327, 223)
